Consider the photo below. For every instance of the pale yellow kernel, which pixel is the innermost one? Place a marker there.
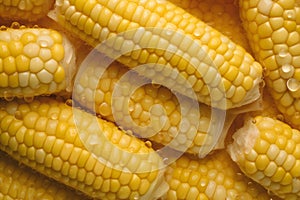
(22, 63)
(281, 157)
(9, 65)
(273, 151)
(144, 187)
(250, 167)
(45, 54)
(44, 76)
(271, 169)
(31, 50)
(36, 65)
(34, 81)
(281, 142)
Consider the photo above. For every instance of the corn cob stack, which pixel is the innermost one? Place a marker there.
(20, 182)
(34, 61)
(215, 177)
(273, 31)
(268, 151)
(182, 49)
(80, 174)
(75, 148)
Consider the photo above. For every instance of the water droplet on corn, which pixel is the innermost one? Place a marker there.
(293, 84)
(287, 71)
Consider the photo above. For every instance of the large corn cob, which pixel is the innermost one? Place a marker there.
(150, 111)
(215, 177)
(79, 150)
(34, 61)
(20, 182)
(188, 55)
(223, 15)
(268, 151)
(273, 31)
(29, 10)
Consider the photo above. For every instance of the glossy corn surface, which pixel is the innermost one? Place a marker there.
(20, 182)
(79, 150)
(187, 54)
(150, 110)
(34, 61)
(273, 31)
(223, 15)
(267, 150)
(215, 177)
(25, 10)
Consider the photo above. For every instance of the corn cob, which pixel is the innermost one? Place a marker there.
(190, 56)
(79, 150)
(223, 15)
(20, 182)
(34, 61)
(273, 31)
(267, 150)
(25, 10)
(149, 110)
(215, 177)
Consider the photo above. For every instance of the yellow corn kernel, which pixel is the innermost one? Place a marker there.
(214, 177)
(20, 10)
(150, 111)
(35, 62)
(21, 182)
(174, 32)
(276, 29)
(278, 166)
(92, 150)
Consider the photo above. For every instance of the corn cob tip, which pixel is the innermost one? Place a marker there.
(243, 139)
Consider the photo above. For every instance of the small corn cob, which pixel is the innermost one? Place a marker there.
(273, 31)
(215, 177)
(268, 151)
(79, 150)
(223, 15)
(34, 61)
(187, 54)
(20, 182)
(24, 10)
(150, 111)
